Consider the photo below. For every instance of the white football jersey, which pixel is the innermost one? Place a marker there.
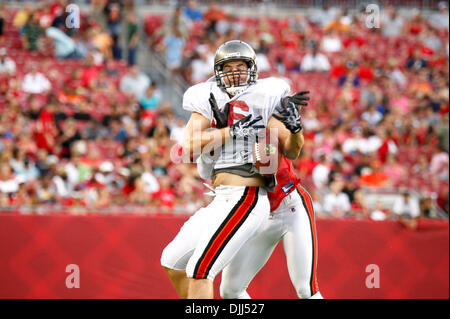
(258, 99)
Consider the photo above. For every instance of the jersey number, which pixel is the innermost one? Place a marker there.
(238, 110)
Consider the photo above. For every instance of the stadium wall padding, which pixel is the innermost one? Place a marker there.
(119, 257)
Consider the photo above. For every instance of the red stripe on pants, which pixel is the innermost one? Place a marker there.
(310, 210)
(225, 232)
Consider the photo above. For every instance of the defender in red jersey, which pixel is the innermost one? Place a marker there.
(291, 220)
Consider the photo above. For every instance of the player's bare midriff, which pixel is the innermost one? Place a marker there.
(236, 180)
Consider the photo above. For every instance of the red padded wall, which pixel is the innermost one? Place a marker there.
(119, 255)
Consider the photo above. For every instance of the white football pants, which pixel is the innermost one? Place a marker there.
(293, 222)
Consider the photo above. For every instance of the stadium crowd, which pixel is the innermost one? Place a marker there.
(82, 128)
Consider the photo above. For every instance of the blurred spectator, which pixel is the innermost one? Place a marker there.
(323, 16)
(192, 12)
(113, 14)
(331, 42)
(64, 45)
(135, 82)
(366, 71)
(391, 24)
(139, 196)
(430, 40)
(116, 131)
(314, 61)
(372, 116)
(102, 83)
(442, 132)
(2, 19)
(230, 25)
(265, 33)
(173, 45)
(22, 15)
(336, 203)
(151, 184)
(395, 73)
(201, 67)
(379, 212)
(103, 42)
(67, 137)
(406, 206)
(89, 71)
(8, 182)
(57, 10)
(165, 196)
(416, 61)
(262, 62)
(114, 17)
(357, 143)
(407, 210)
(46, 192)
(132, 37)
(98, 13)
(31, 32)
(177, 131)
(358, 205)
(426, 208)
(110, 68)
(7, 65)
(61, 183)
(375, 176)
(177, 20)
(212, 15)
(440, 19)
(22, 197)
(416, 24)
(439, 164)
(35, 82)
(340, 24)
(394, 169)
(4, 200)
(151, 98)
(321, 172)
(299, 23)
(25, 170)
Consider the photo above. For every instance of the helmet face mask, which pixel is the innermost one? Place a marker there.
(231, 80)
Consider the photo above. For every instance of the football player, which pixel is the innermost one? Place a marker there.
(292, 220)
(209, 240)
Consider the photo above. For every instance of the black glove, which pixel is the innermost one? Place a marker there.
(221, 117)
(246, 128)
(290, 117)
(298, 99)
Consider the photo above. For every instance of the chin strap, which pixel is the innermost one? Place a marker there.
(236, 89)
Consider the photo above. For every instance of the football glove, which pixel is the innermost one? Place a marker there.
(290, 117)
(246, 128)
(298, 99)
(221, 117)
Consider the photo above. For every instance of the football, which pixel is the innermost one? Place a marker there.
(266, 154)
